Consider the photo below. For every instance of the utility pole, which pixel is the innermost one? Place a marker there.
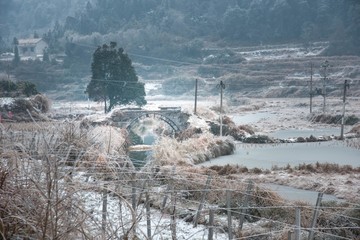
(222, 86)
(8, 71)
(311, 86)
(196, 89)
(325, 66)
(346, 86)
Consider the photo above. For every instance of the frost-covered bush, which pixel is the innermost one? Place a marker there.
(41, 103)
(333, 119)
(169, 151)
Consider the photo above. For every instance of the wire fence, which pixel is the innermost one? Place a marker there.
(102, 196)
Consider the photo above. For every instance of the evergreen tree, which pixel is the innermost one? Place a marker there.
(114, 79)
(16, 59)
(46, 56)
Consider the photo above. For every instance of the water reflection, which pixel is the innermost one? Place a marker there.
(139, 158)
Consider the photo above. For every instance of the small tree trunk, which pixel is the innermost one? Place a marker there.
(105, 105)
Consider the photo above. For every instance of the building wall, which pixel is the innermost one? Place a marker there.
(39, 48)
(32, 51)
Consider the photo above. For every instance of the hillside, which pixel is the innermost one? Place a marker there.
(264, 71)
(252, 45)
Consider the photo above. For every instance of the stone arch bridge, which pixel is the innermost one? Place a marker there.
(172, 116)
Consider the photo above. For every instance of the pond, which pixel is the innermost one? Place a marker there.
(294, 194)
(268, 156)
(280, 155)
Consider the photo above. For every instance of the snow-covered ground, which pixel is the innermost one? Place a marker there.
(266, 116)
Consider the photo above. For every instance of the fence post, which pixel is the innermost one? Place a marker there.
(202, 200)
(315, 216)
(297, 223)
(211, 224)
(133, 197)
(133, 191)
(173, 214)
(148, 218)
(228, 207)
(246, 204)
(104, 210)
(290, 235)
(167, 190)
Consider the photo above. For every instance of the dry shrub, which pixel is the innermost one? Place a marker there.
(247, 128)
(169, 151)
(339, 219)
(333, 119)
(354, 143)
(327, 168)
(206, 113)
(41, 103)
(217, 109)
(275, 210)
(40, 198)
(188, 133)
(355, 129)
(237, 134)
(29, 207)
(117, 115)
(23, 110)
(108, 139)
(227, 120)
(307, 167)
(229, 169)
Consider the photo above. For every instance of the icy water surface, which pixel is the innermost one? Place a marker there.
(267, 156)
(294, 194)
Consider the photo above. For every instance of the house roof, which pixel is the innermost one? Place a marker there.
(29, 41)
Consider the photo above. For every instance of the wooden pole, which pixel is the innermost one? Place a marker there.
(167, 190)
(311, 86)
(133, 198)
(346, 85)
(222, 86)
(246, 200)
(148, 217)
(104, 210)
(290, 233)
(173, 214)
(133, 191)
(228, 207)
(325, 66)
(211, 224)
(315, 216)
(201, 205)
(297, 224)
(196, 90)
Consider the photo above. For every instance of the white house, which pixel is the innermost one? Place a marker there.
(31, 48)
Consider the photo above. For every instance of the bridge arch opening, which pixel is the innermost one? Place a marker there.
(157, 116)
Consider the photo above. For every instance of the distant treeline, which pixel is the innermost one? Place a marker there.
(142, 24)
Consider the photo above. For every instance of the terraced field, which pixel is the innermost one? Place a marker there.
(262, 71)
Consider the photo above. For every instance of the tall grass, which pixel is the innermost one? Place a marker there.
(39, 189)
(169, 151)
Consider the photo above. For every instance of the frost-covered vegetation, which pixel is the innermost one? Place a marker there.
(177, 41)
(62, 181)
(169, 151)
